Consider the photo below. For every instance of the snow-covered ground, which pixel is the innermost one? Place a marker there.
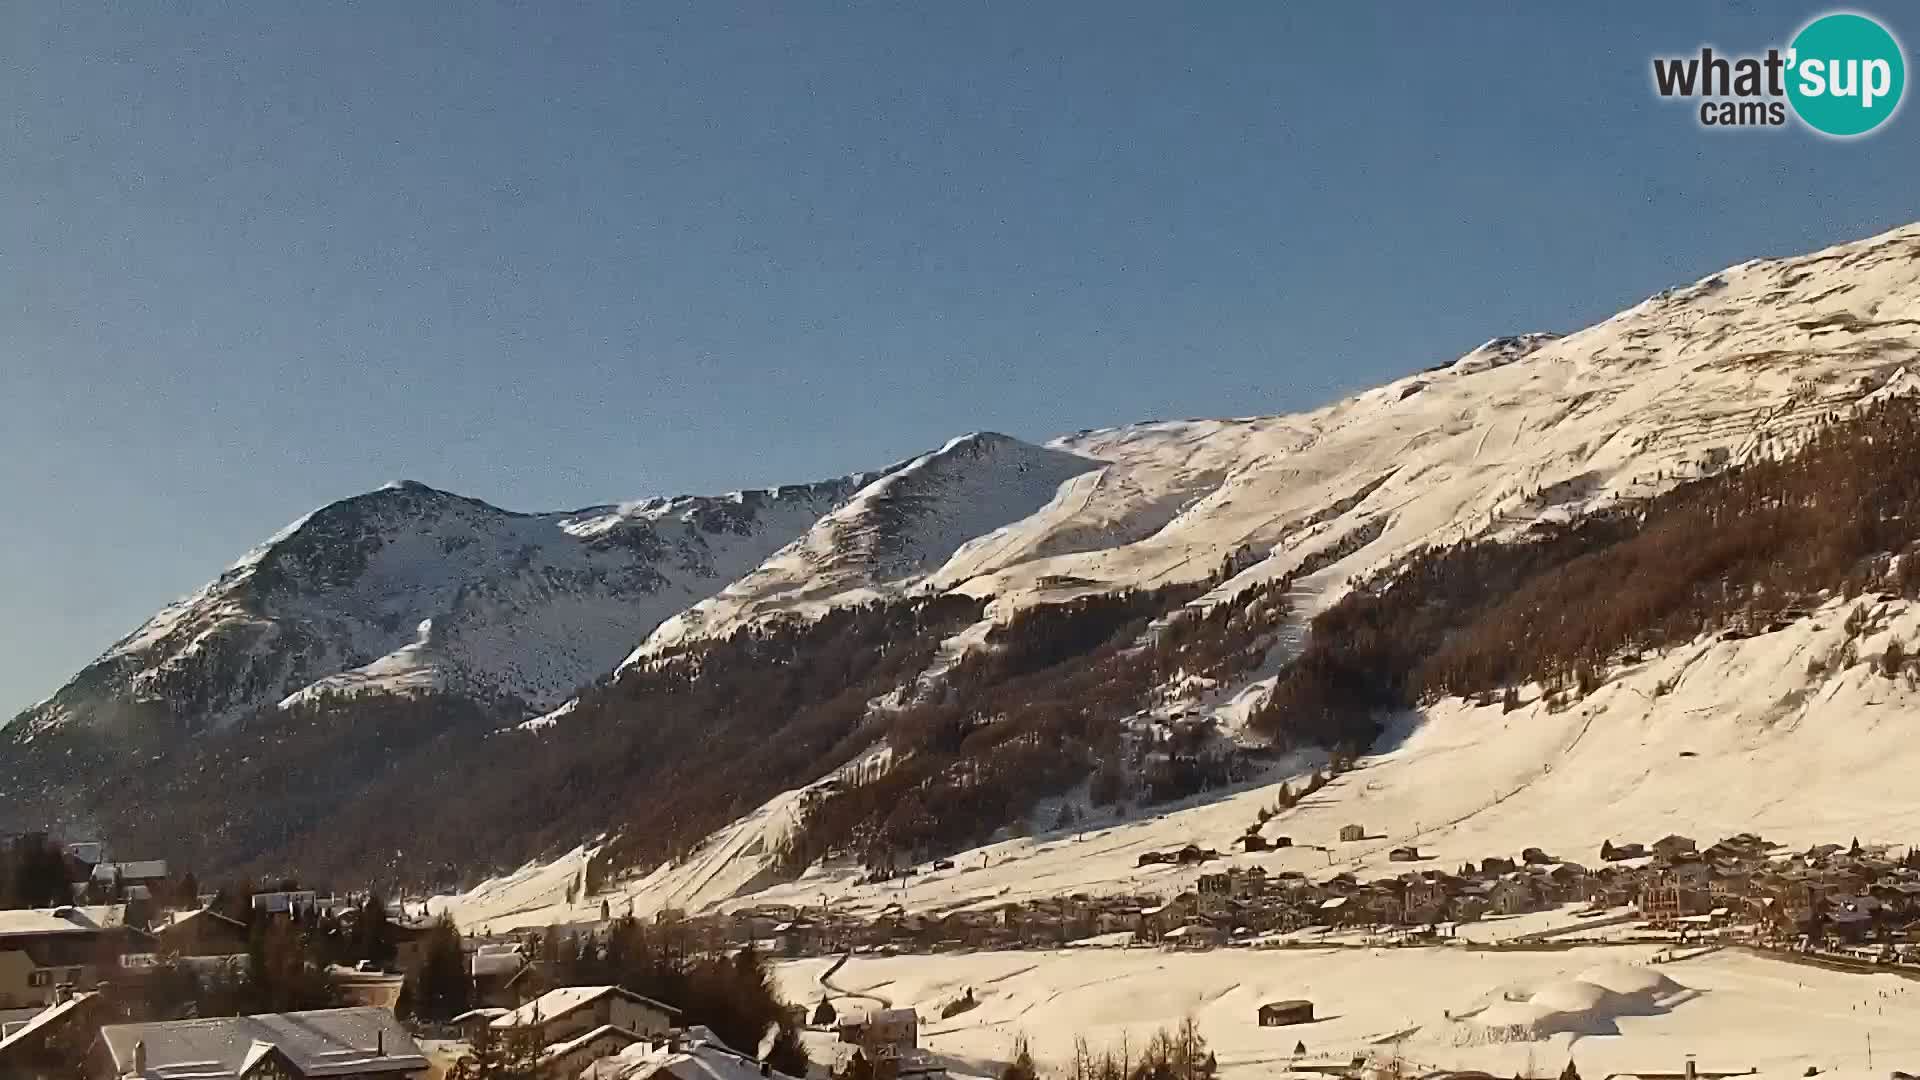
(1604, 1008)
(1741, 738)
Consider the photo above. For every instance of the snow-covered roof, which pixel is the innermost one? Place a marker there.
(34, 922)
(700, 1057)
(324, 1042)
(562, 1049)
(563, 1000)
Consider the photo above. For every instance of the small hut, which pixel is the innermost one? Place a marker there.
(1285, 1013)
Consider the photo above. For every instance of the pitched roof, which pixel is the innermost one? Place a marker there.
(701, 1057)
(563, 1000)
(34, 922)
(178, 918)
(324, 1042)
(41, 1021)
(562, 1049)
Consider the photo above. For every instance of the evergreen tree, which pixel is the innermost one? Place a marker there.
(442, 988)
(373, 938)
(36, 874)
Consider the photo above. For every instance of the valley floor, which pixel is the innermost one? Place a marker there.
(1731, 1011)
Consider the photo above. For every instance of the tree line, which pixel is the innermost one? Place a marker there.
(1733, 553)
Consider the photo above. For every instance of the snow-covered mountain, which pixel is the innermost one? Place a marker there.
(408, 587)
(1522, 429)
(892, 534)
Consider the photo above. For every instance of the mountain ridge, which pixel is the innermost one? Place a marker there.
(1525, 432)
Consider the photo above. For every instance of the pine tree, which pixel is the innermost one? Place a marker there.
(373, 932)
(442, 988)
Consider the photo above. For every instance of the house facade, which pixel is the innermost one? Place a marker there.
(43, 951)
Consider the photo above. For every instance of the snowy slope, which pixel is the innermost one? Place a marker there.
(408, 587)
(891, 533)
(1520, 430)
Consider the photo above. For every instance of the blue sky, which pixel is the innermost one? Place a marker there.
(258, 256)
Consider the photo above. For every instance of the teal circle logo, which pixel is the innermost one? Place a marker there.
(1846, 73)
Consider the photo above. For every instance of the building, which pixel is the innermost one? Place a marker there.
(45, 949)
(48, 1044)
(368, 1044)
(1352, 833)
(697, 1055)
(570, 1057)
(570, 1011)
(1660, 902)
(1285, 1013)
(202, 932)
(1405, 854)
(1673, 846)
(286, 903)
(410, 943)
(883, 1033)
(128, 880)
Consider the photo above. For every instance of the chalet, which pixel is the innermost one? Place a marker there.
(1405, 854)
(1533, 856)
(45, 949)
(1194, 854)
(128, 880)
(570, 1057)
(1192, 936)
(1286, 1013)
(201, 932)
(1281, 841)
(570, 1011)
(1337, 911)
(1512, 896)
(1691, 873)
(359, 1043)
(1350, 834)
(700, 1056)
(883, 1033)
(1253, 842)
(1495, 865)
(470, 1023)
(1672, 846)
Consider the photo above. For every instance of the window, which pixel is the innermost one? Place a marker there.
(73, 976)
(38, 978)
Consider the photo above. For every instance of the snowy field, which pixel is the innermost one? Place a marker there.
(1435, 1008)
(1741, 739)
